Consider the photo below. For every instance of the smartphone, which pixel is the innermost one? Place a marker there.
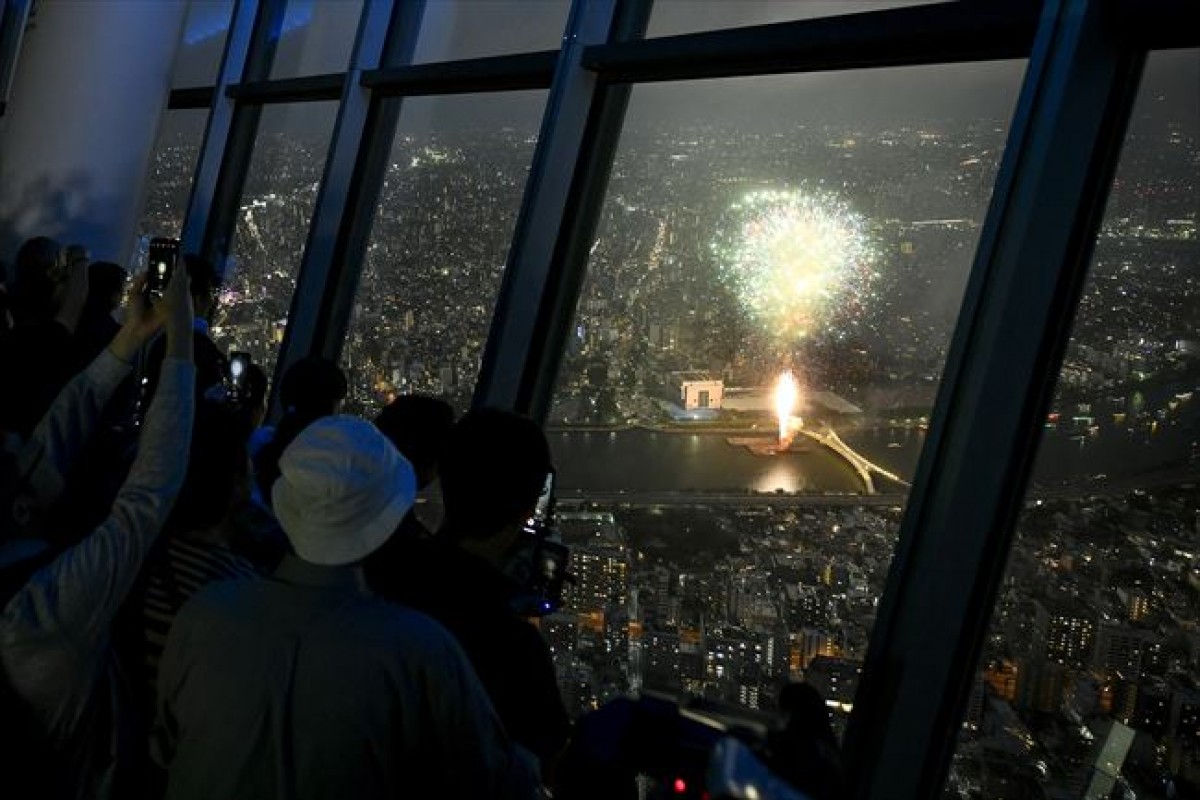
(544, 510)
(161, 259)
(550, 562)
(239, 365)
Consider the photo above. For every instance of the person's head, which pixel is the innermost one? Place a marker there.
(205, 283)
(38, 271)
(312, 387)
(342, 490)
(106, 286)
(418, 425)
(492, 470)
(218, 475)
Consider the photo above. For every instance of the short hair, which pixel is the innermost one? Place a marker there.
(37, 271)
(493, 468)
(418, 425)
(105, 278)
(217, 462)
(255, 383)
(312, 386)
(203, 275)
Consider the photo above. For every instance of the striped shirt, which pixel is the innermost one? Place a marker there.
(183, 568)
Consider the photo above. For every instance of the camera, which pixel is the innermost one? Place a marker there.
(541, 560)
(163, 254)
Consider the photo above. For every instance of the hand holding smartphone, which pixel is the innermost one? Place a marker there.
(162, 259)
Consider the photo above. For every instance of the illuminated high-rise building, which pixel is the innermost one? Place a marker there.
(1066, 633)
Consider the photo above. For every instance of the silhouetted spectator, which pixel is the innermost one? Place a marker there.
(492, 471)
(256, 385)
(252, 533)
(418, 426)
(306, 685)
(806, 751)
(97, 326)
(195, 548)
(63, 692)
(311, 388)
(48, 290)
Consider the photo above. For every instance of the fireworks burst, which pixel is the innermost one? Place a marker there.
(800, 262)
(787, 393)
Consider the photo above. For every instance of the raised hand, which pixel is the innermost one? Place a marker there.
(178, 313)
(143, 319)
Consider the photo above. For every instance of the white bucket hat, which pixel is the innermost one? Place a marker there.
(342, 490)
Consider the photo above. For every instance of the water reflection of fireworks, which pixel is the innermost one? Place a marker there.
(800, 262)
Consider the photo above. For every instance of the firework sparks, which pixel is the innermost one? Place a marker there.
(787, 392)
(800, 262)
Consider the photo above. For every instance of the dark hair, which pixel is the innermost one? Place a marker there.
(205, 280)
(105, 278)
(216, 464)
(492, 470)
(313, 386)
(418, 425)
(255, 383)
(36, 275)
(310, 389)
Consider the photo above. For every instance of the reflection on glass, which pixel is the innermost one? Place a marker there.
(1088, 678)
(822, 225)
(671, 17)
(454, 29)
(202, 43)
(438, 247)
(272, 226)
(171, 171)
(316, 37)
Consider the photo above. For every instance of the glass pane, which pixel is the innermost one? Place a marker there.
(316, 38)
(820, 226)
(454, 29)
(1088, 677)
(671, 17)
(268, 241)
(438, 246)
(171, 172)
(204, 33)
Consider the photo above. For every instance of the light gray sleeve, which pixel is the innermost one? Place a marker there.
(68, 424)
(74, 599)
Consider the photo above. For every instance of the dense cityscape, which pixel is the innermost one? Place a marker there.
(1088, 680)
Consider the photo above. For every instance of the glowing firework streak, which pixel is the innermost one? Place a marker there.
(787, 392)
(800, 262)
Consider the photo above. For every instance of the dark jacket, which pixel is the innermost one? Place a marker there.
(36, 361)
(472, 600)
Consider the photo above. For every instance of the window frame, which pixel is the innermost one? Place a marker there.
(941, 580)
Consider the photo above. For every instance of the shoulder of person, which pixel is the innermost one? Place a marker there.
(406, 626)
(222, 599)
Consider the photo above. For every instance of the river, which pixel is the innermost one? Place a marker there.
(642, 460)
